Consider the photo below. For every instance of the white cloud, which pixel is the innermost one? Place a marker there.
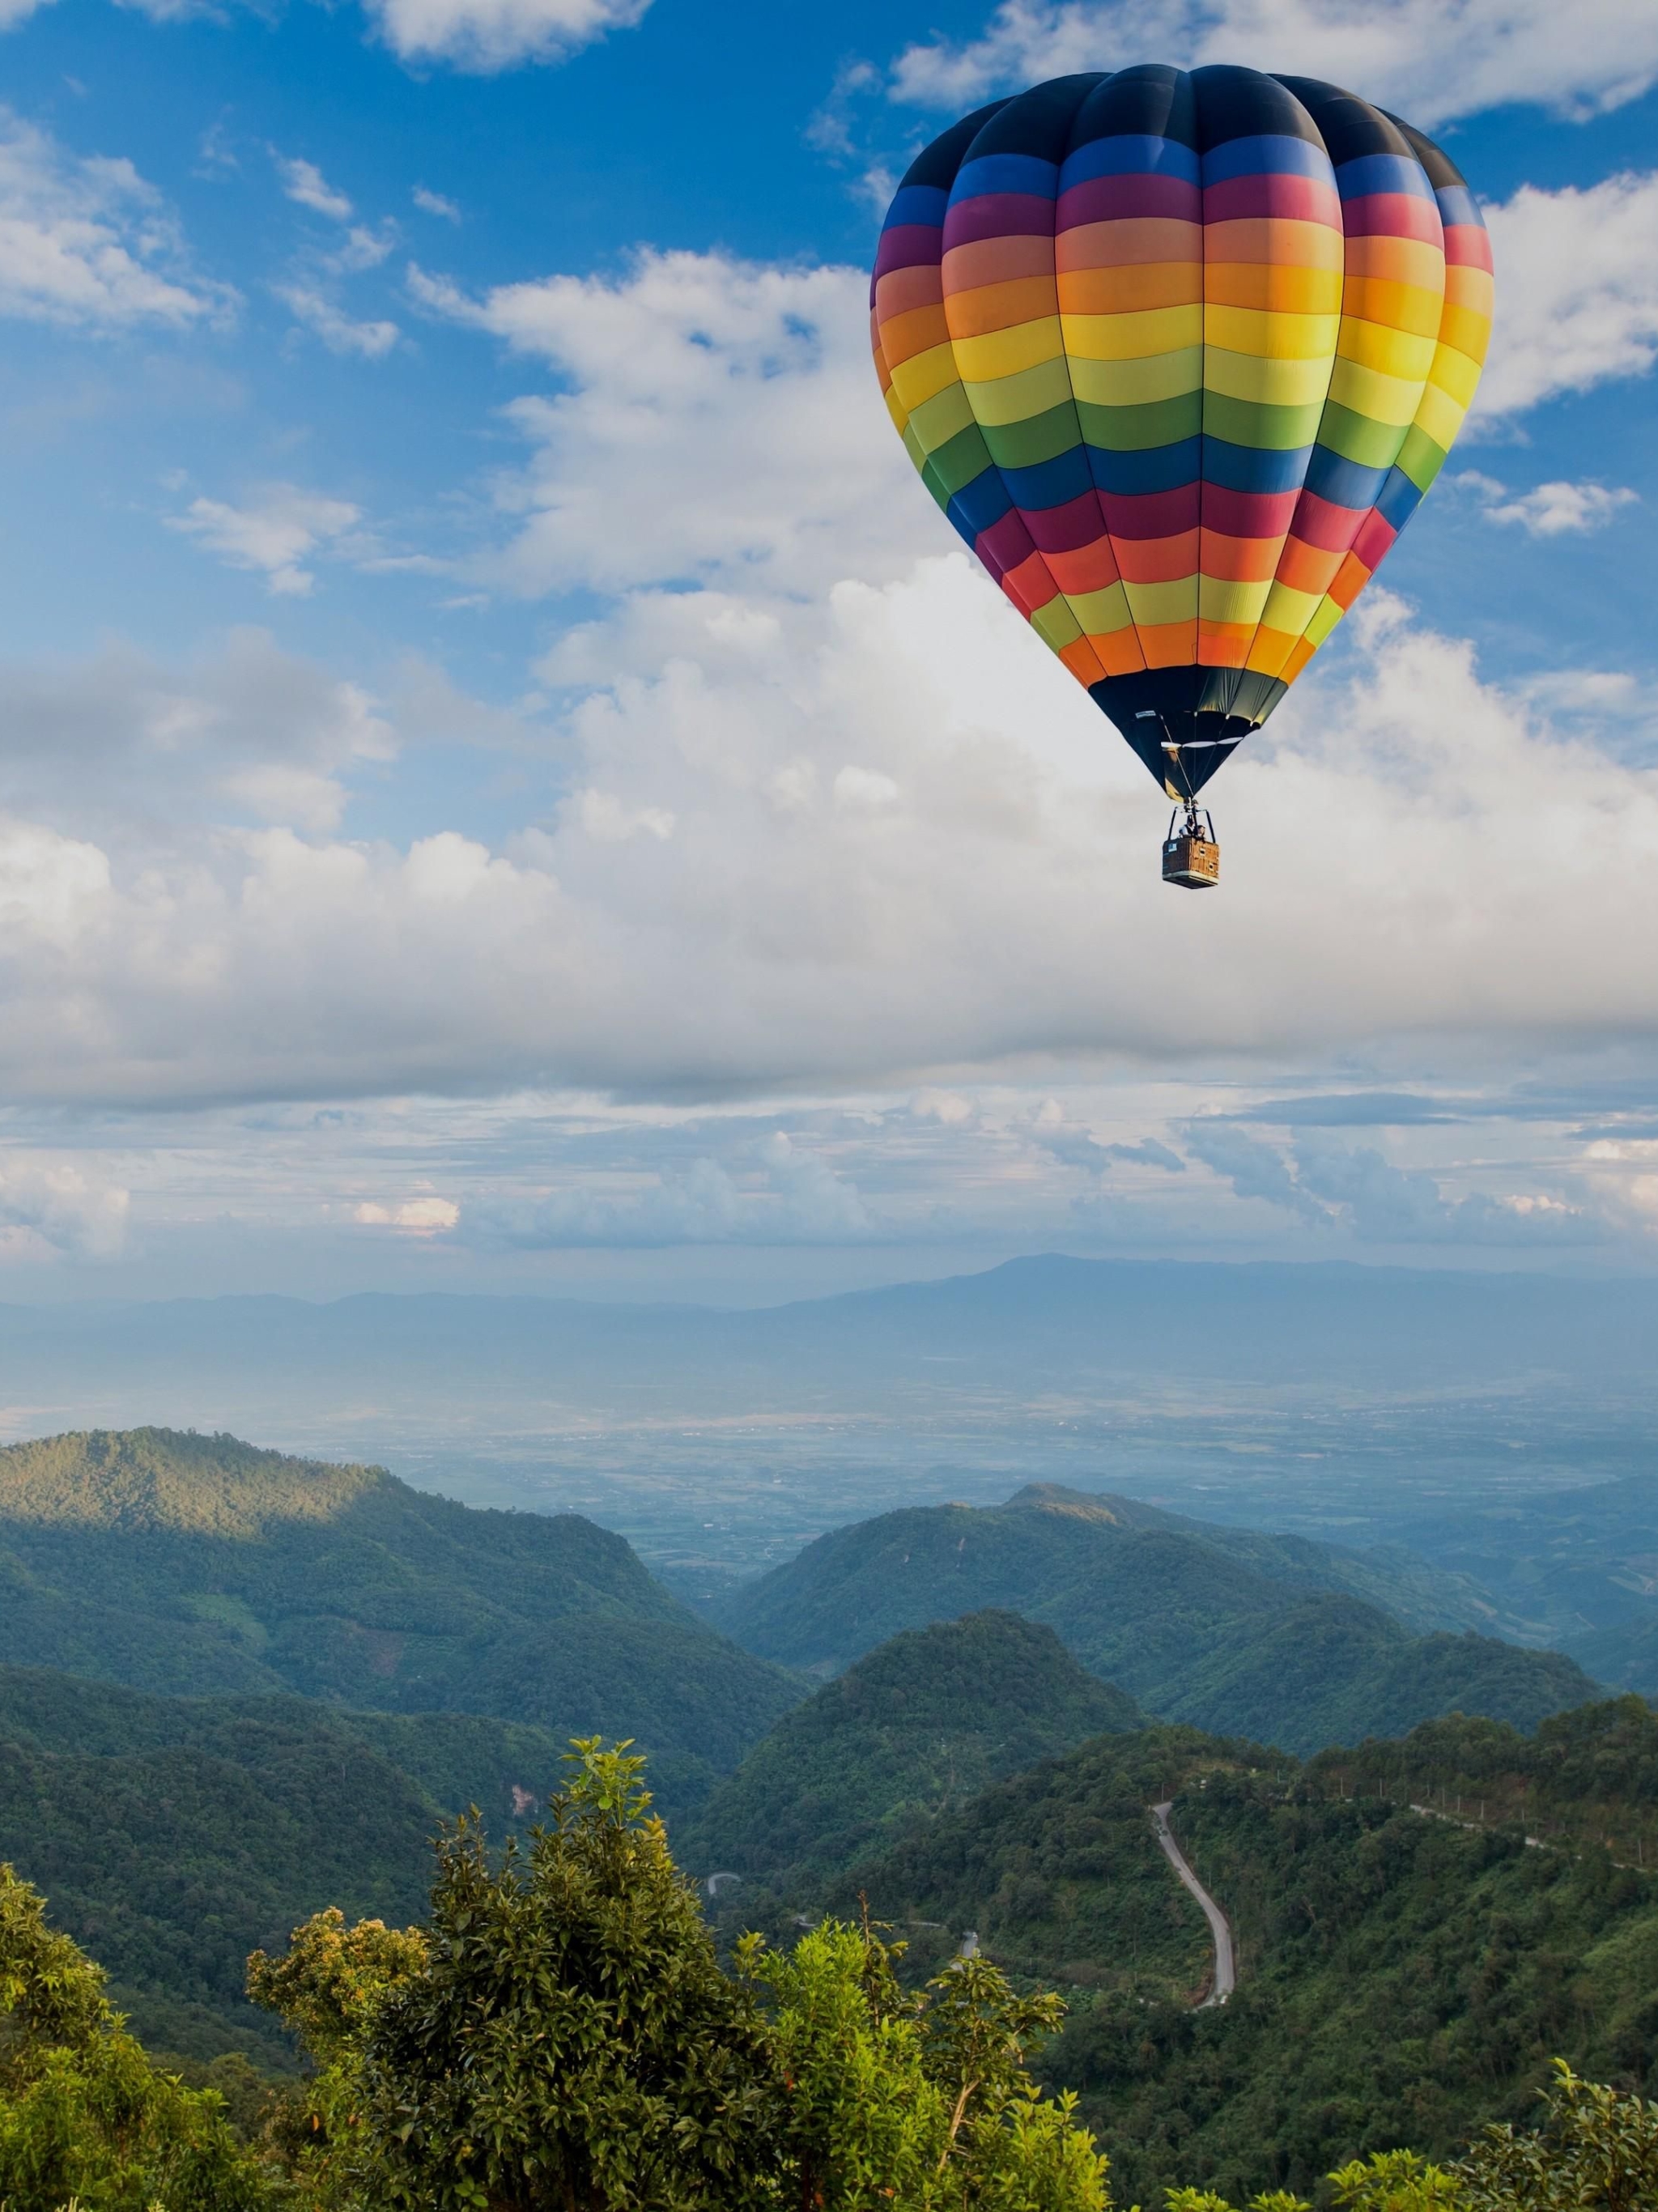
(60, 1208)
(1329, 1185)
(485, 35)
(1550, 510)
(1428, 59)
(341, 333)
(305, 183)
(722, 423)
(85, 242)
(413, 1217)
(435, 204)
(273, 534)
(1576, 290)
(123, 745)
(790, 1196)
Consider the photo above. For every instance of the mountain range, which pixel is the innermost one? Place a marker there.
(182, 1563)
(1296, 1643)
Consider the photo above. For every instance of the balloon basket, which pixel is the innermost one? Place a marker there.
(1192, 858)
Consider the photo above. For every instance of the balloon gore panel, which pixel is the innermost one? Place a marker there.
(1178, 354)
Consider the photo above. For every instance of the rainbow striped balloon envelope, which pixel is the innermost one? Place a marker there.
(1178, 353)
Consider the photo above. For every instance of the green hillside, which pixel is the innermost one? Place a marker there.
(1232, 1630)
(916, 1728)
(1401, 1978)
(188, 1564)
(175, 1835)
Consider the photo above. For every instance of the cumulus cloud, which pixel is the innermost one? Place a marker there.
(411, 1216)
(136, 750)
(792, 1196)
(1431, 61)
(370, 338)
(87, 243)
(273, 533)
(436, 204)
(54, 1205)
(718, 424)
(486, 35)
(303, 183)
(1548, 510)
(1577, 289)
(1328, 1185)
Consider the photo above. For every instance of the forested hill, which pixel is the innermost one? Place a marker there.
(1273, 1636)
(177, 1834)
(916, 1727)
(182, 1563)
(1401, 1978)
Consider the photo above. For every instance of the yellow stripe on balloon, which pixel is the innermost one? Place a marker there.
(1266, 382)
(1391, 352)
(1271, 336)
(1029, 392)
(1005, 353)
(924, 374)
(1137, 383)
(1389, 400)
(1220, 600)
(1154, 332)
(1163, 602)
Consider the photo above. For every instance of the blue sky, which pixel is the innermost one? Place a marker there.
(507, 780)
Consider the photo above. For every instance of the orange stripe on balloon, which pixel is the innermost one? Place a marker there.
(1307, 568)
(1030, 584)
(1120, 653)
(1089, 568)
(1169, 645)
(1270, 650)
(1351, 579)
(1157, 560)
(996, 261)
(1080, 658)
(1121, 291)
(919, 332)
(1300, 653)
(1238, 560)
(1225, 645)
(900, 289)
(999, 307)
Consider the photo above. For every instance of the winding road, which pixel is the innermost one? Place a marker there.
(1226, 1979)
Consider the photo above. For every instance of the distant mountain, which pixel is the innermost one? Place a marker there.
(918, 1726)
(1226, 1628)
(184, 1563)
(1580, 1564)
(175, 1835)
(1401, 1977)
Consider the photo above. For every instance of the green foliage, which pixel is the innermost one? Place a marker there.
(1587, 1777)
(187, 1564)
(175, 1835)
(1058, 1870)
(917, 1727)
(1596, 2152)
(1400, 1979)
(1242, 1633)
(85, 2119)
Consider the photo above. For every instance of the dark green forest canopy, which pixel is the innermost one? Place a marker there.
(1402, 1976)
(175, 1835)
(1230, 1630)
(187, 1564)
(916, 1727)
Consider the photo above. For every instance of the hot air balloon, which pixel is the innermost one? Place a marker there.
(1178, 353)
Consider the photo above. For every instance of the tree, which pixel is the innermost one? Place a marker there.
(84, 2117)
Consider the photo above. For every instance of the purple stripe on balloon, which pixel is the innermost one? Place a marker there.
(999, 215)
(906, 246)
(1118, 199)
(1005, 544)
(1063, 529)
(1295, 199)
(1394, 214)
(1152, 514)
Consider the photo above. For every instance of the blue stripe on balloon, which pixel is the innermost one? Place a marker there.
(1268, 155)
(917, 203)
(1050, 483)
(1342, 482)
(1382, 173)
(1251, 468)
(1005, 173)
(1156, 468)
(1458, 204)
(1400, 499)
(978, 504)
(1132, 153)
